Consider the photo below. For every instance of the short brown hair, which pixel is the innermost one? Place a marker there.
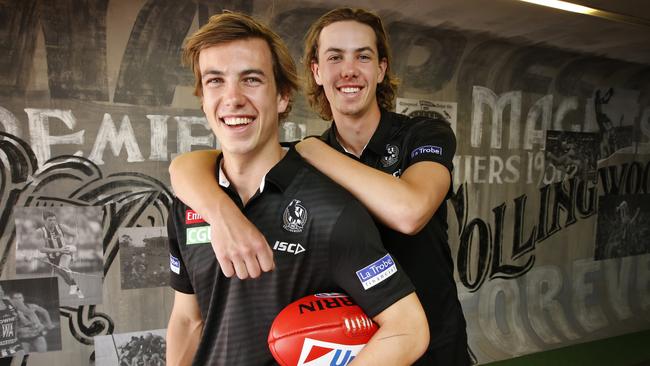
(386, 90)
(229, 27)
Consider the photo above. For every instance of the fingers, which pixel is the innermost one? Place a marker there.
(225, 263)
(252, 266)
(240, 269)
(265, 259)
(245, 262)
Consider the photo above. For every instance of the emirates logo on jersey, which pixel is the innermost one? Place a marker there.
(191, 217)
(294, 217)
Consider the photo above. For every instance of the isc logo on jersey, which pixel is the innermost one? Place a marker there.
(319, 353)
(283, 246)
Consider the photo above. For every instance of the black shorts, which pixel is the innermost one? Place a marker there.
(452, 353)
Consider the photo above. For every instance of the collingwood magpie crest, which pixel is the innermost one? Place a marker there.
(392, 154)
(294, 217)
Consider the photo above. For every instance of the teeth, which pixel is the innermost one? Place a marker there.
(235, 121)
(350, 89)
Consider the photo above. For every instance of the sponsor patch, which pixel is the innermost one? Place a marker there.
(376, 272)
(191, 217)
(294, 217)
(320, 353)
(283, 246)
(174, 264)
(427, 149)
(197, 235)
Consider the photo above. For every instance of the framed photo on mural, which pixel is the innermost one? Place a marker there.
(144, 257)
(136, 348)
(31, 314)
(623, 226)
(64, 242)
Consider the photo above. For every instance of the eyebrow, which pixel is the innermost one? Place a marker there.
(212, 72)
(360, 49)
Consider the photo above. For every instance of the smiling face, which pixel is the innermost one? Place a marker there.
(240, 97)
(349, 68)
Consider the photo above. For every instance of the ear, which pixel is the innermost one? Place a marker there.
(283, 102)
(315, 72)
(383, 65)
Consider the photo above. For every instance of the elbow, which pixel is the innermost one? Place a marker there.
(409, 227)
(410, 220)
(413, 214)
(421, 336)
(422, 341)
(173, 165)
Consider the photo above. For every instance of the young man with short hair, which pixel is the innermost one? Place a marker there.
(398, 167)
(245, 79)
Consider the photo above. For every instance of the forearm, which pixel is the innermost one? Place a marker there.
(49, 250)
(395, 202)
(27, 312)
(402, 337)
(183, 338)
(186, 171)
(388, 348)
(43, 314)
(238, 245)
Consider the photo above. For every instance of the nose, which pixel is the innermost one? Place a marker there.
(233, 96)
(349, 69)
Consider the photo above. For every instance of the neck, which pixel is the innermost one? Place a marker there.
(245, 172)
(354, 131)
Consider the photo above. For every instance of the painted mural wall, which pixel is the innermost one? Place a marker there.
(550, 221)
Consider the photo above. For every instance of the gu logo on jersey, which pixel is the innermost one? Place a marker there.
(427, 149)
(390, 158)
(294, 217)
(376, 272)
(283, 246)
(319, 353)
(191, 217)
(197, 235)
(174, 264)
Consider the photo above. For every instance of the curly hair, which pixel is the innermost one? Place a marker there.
(230, 26)
(386, 90)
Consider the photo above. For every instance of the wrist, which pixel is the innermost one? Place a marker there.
(221, 207)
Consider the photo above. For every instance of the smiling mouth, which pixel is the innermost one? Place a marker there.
(237, 121)
(350, 89)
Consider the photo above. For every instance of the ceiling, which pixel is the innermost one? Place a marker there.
(513, 18)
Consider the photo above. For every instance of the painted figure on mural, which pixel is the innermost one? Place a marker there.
(608, 141)
(59, 248)
(627, 223)
(348, 63)
(245, 78)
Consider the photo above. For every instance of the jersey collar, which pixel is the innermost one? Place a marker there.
(280, 175)
(377, 143)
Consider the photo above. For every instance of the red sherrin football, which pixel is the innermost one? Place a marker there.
(321, 329)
